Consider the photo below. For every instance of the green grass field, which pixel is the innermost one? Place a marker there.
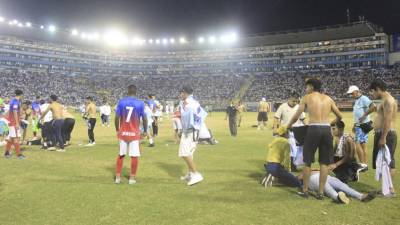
(76, 187)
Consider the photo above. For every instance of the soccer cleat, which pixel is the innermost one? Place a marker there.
(195, 178)
(7, 155)
(369, 197)
(21, 156)
(132, 181)
(117, 180)
(186, 177)
(342, 198)
(151, 145)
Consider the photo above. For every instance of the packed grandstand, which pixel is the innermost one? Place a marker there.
(267, 65)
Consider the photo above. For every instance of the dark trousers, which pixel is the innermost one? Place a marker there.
(347, 171)
(278, 171)
(47, 133)
(233, 125)
(155, 126)
(91, 125)
(58, 135)
(67, 128)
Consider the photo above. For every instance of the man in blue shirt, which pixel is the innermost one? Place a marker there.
(363, 106)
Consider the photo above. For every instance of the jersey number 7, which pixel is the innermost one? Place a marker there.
(130, 110)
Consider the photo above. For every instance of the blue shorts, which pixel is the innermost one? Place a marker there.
(360, 137)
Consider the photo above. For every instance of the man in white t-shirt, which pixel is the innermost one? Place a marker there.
(105, 113)
(150, 119)
(47, 131)
(282, 118)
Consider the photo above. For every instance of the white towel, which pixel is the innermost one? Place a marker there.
(383, 170)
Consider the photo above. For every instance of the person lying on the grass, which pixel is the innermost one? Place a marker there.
(345, 166)
(278, 160)
(337, 190)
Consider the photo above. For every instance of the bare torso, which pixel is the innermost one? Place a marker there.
(91, 110)
(379, 120)
(319, 107)
(57, 110)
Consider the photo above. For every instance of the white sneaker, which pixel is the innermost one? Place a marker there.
(117, 180)
(90, 144)
(186, 177)
(51, 148)
(60, 150)
(195, 178)
(132, 181)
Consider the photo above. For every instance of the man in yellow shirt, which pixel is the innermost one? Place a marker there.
(278, 161)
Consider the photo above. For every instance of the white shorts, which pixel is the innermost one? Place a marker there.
(187, 146)
(132, 146)
(177, 124)
(14, 133)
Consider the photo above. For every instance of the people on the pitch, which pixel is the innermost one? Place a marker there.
(58, 120)
(105, 113)
(36, 113)
(206, 136)
(26, 112)
(90, 115)
(3, 129)
(14, 115)
(155, 107)
(336, 189)
(282, 117)
(68, 126)
(384, 125)
(241, 108)
(46, 126)
(128, 113)
(345, 166)
(192, 116)
(150, 120)
(262, 118)
(231, 113)
(362, 107)
(177, 124)
(278, 161)
(319, 135)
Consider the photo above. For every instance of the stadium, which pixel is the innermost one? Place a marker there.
(73, 69)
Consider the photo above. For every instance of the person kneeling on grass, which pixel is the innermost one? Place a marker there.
(337, 190)
(278, 161)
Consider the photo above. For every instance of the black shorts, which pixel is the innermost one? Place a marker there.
(262, 117)
(318, 137)
(391, 142)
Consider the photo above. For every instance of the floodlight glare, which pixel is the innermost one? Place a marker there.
(10, 23)
(52, 28)
(15, 21)
(2, 19)
(116, 38)
(212, 39)
(20, 25)
(165, 41)
(151, 41)
(83, 35)
(96, 36)
(28, 24)
(201, 40)
(182, 40)
(172, 40)
(42, 27)
(74, 32)
(158, 41)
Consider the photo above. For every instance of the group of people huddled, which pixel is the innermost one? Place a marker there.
(296, 142)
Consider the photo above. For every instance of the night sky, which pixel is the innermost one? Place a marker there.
(195, 17)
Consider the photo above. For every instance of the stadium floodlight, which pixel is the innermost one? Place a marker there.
(201, 40)
(212, 39)
(42, 27)
(96, 36)
(15, 22)
(10, 23)
(83, 35)
(2, 19)
(52, 28)
(229, 38)
(115, 38)
(158, 41)
(74, 32)
(28, 24)
(165, 41)
(20, 25)
(150, 41)
(172, 40)
(182, 40)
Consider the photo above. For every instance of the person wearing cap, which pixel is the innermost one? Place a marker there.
(192, 116)
(363, 106)
(262, 118)
(278, 161)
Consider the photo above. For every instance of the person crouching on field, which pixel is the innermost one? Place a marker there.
(278, 161)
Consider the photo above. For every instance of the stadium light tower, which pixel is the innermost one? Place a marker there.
(42, 27)
(52, 28)
(2, 19)
(182, 40)
(165, 41)
(212, 39)
(158, 41)
(28, 24)
(172, 40)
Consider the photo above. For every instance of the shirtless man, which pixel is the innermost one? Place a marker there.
(319, 135)
(384, 124)
(241, 108)
(262, 118)
(58, 121)
(91, 116)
